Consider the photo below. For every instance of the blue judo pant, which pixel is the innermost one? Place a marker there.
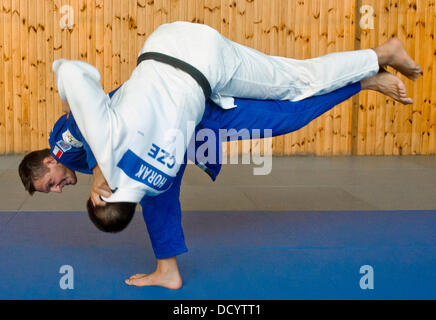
(163, 215)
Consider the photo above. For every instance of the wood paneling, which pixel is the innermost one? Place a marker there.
(109, 34)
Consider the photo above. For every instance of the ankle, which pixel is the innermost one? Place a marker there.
(167, 265)
(384, 55)
(368, 84)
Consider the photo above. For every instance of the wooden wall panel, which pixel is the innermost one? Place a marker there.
(109, 34)
(386, 127)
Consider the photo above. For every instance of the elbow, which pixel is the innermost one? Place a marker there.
(57, 64)
(64, 69)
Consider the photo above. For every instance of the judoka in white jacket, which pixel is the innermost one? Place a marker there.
(133, 135)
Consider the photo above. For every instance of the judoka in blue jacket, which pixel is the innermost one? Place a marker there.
(162, 214)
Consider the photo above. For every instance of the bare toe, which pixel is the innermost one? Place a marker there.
(138, 276)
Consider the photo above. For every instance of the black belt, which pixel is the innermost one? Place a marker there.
(179, 64)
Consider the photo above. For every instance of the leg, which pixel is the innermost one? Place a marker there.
(163, 218)
(281, 117)
(265, 77)
(287, 116)
(260, 76)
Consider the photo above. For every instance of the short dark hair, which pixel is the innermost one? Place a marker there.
(32, 168)
(114, 217)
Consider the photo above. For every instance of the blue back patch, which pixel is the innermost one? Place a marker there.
(141, 171)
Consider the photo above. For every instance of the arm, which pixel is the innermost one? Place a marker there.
(79, 86)
(99, 187)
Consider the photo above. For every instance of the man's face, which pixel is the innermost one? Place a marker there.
(56, 178)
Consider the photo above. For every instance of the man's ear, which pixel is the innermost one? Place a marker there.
(49, 160)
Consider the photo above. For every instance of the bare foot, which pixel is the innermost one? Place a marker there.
(388, 84)
(170, 280)
(392, 53)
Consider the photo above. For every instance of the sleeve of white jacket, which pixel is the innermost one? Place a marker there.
(79, 84)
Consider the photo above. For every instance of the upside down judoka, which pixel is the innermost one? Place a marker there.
(129, 134)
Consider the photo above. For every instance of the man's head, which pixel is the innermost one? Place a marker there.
(113, 217)
(40, 171)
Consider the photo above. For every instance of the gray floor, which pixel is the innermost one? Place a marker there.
(295, 183)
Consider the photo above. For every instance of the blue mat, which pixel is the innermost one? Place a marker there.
(232, 255)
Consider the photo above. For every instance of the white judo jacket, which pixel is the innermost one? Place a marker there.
(140, 136)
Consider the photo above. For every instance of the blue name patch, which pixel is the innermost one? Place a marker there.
(141, 171)
(63, 145)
